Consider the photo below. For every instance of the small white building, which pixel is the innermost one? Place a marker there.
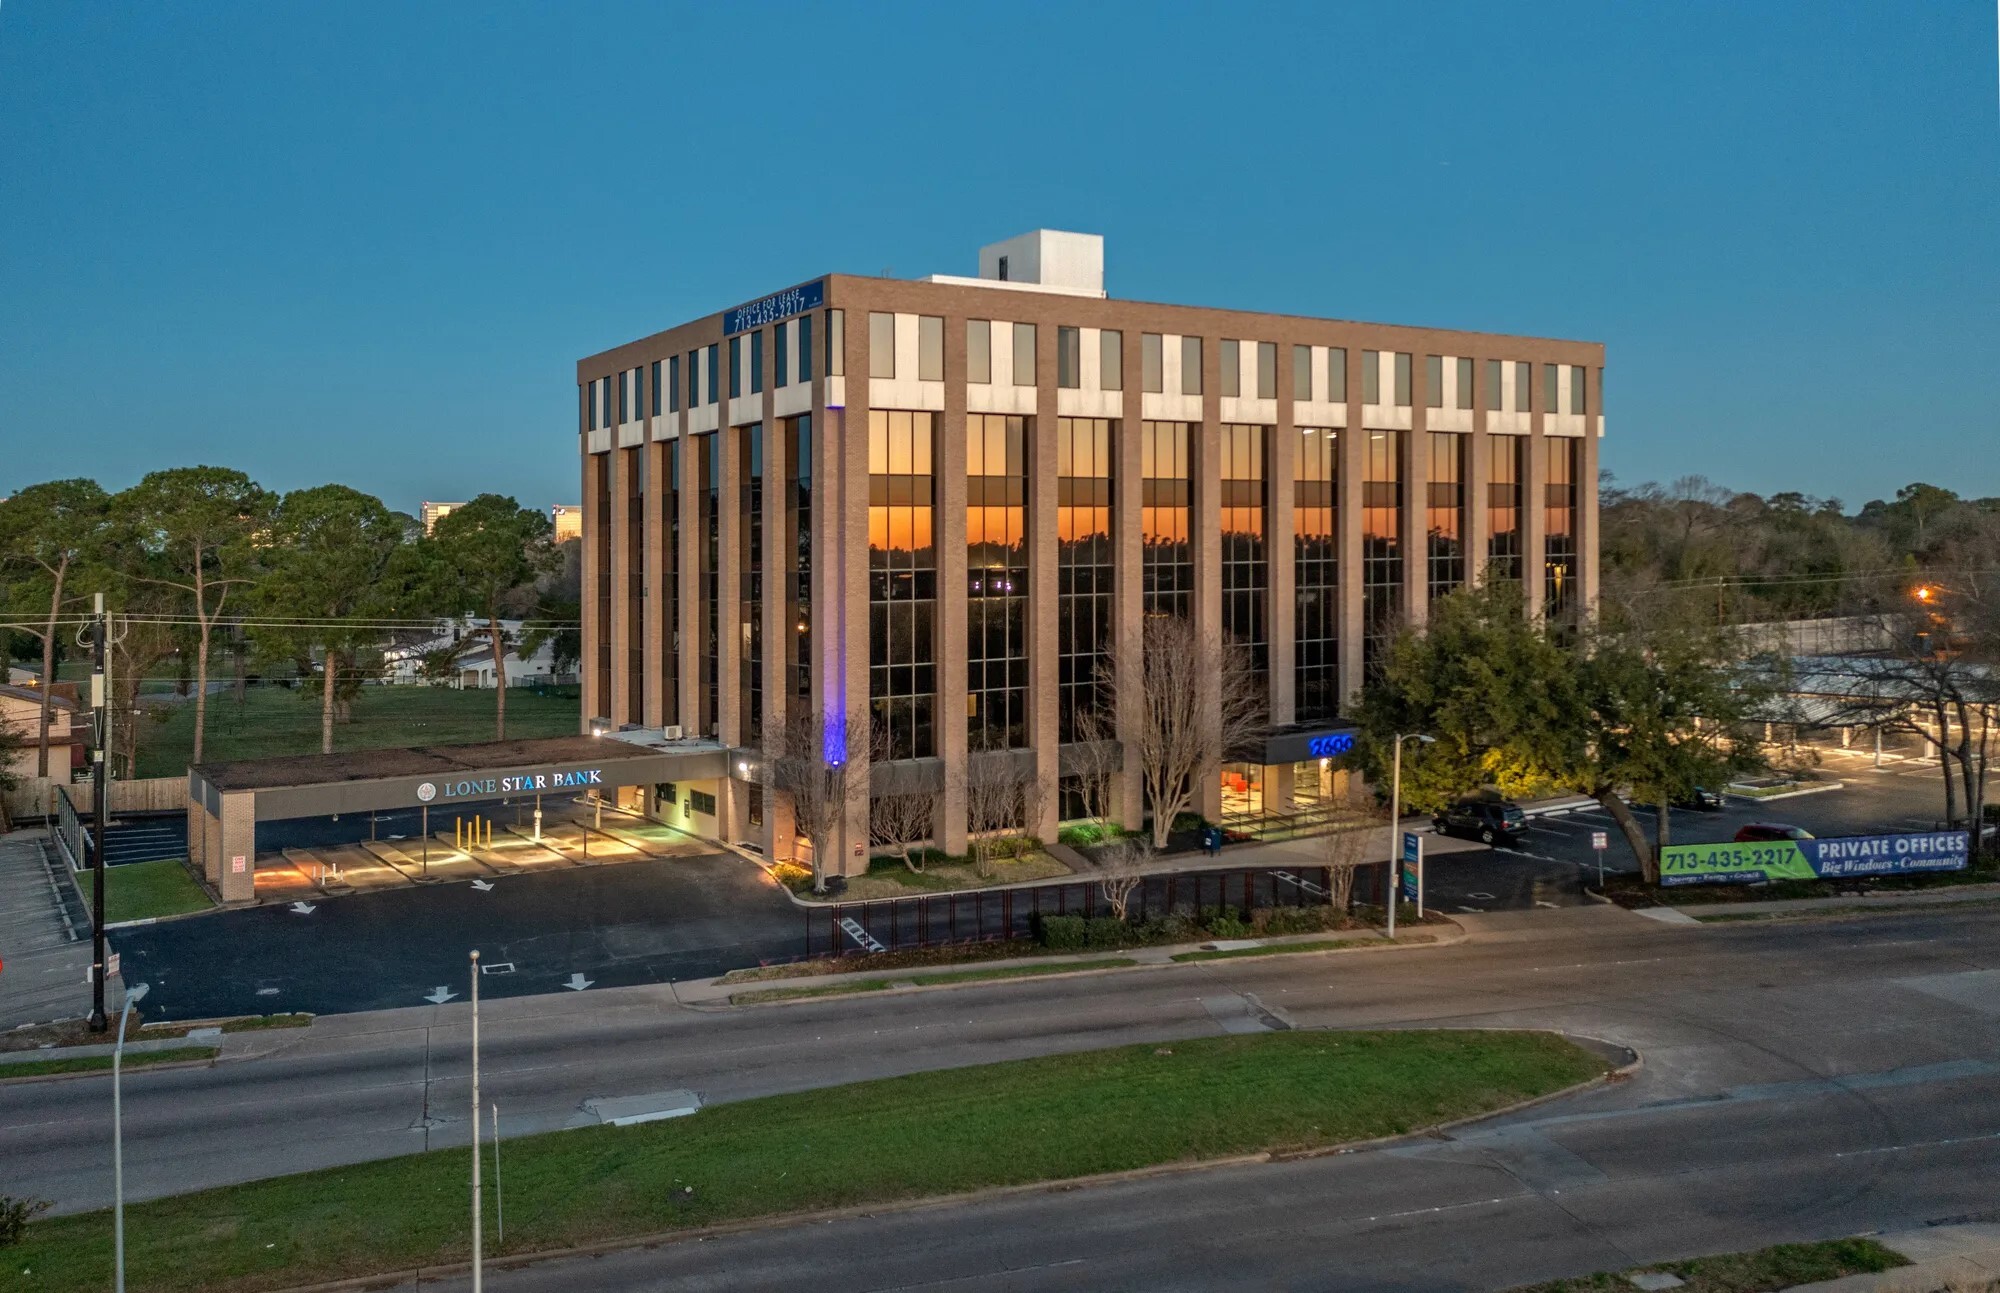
(469, 639)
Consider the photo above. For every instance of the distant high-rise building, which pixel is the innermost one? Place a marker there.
(432, 513)
(568, 521)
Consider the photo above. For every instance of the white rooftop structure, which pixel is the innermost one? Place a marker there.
(1042, 260)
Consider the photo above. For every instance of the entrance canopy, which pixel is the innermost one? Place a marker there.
(227, 800)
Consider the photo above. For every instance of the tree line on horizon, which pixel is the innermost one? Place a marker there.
(312, 582)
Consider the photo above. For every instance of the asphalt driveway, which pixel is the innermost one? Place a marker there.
(643, 922)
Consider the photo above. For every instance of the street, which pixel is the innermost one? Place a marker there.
(1800, 1079)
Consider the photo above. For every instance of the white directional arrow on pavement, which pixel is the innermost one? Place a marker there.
(481, 885)
(577, 983)
(439, 995)
(304, 908)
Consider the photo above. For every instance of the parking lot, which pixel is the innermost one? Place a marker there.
(552, 931)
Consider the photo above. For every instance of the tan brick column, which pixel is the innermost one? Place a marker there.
(1478, 482)
(1416, 527)
(949, 629)
(1281, 603)
(1588, 534)
(1044, 641)
(238, 840)
(688, 603)
(775, 835)
(594, 522)
(730, 808)
(1205, 468)
(652, 637)
(849, 548)
(1534, 500)
(1128, 575)
(1353, 448)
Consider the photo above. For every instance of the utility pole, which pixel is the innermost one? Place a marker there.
(100, 636)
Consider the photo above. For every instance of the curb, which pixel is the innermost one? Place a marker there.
(210, 1062)
(1456, 935)
(1816, 789)
(418, 1275)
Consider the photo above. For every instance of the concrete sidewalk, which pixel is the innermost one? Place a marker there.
(1964, 1257)
(714, 992)
(1861, 901)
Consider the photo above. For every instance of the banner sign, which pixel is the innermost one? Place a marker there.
(1754, 862)
(1413, 857)
(779, 305)
(518, 784)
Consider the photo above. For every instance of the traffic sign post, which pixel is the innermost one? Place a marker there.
(1413, 870)
(1598, 839)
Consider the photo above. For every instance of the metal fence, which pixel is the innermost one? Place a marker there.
(988, 915)
(69, 831)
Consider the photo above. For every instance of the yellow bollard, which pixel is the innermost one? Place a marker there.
(489, 832)
(457, 835)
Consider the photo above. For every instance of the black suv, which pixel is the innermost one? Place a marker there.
(1486, 820)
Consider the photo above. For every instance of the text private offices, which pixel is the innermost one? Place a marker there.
(926, 510)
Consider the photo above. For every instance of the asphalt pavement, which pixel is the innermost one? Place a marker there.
(634, 923)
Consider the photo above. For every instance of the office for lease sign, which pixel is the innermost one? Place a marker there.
(1754, 862)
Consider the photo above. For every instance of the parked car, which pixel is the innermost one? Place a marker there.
(1700, 799)
(1757, 831)
(1487, 820)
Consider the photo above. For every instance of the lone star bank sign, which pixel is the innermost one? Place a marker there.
(525, 783)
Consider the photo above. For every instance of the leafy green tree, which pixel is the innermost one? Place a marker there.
(199, 523)
(484, 558)
(48, 533)
(1636, 707)
(330, 567)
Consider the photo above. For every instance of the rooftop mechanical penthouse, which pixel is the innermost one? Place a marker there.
(929, 509)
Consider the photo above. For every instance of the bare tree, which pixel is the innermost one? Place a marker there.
(999, 803)
(1124, 870)
(1095, 762)
(1199, 703)
(1343, 850)
(811, 764)
(1936, 677)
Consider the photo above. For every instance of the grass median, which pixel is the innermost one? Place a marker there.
(1765, 1270)
(102, 1063)
(137, 890)
(927, 1134)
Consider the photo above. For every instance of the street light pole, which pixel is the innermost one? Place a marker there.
(1396, 822)
(132, 995)
(476, 1244)
(100, 818)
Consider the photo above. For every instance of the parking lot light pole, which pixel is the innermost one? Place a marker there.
(1396, 822)
(132, 995)
(476, 1244)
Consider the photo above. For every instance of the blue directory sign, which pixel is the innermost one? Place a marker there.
(1413, 856)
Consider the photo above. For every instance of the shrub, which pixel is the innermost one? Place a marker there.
(15, 1214)
(1105, 931)
(1297, 920)
(1061, 933)
(1227, 926)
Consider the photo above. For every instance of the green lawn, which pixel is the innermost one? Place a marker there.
(799, 994)
(274, 720)
(1780, 1267)
(94, 1063)
(871, 1142)
(141, 889)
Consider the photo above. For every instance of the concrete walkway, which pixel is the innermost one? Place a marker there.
(1965, 1257)
(1858, 902)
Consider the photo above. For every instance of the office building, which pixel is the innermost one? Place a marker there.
(934, 509)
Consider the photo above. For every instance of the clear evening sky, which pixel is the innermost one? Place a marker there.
(367, 242)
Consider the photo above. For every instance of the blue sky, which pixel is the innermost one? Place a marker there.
(367, 242)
